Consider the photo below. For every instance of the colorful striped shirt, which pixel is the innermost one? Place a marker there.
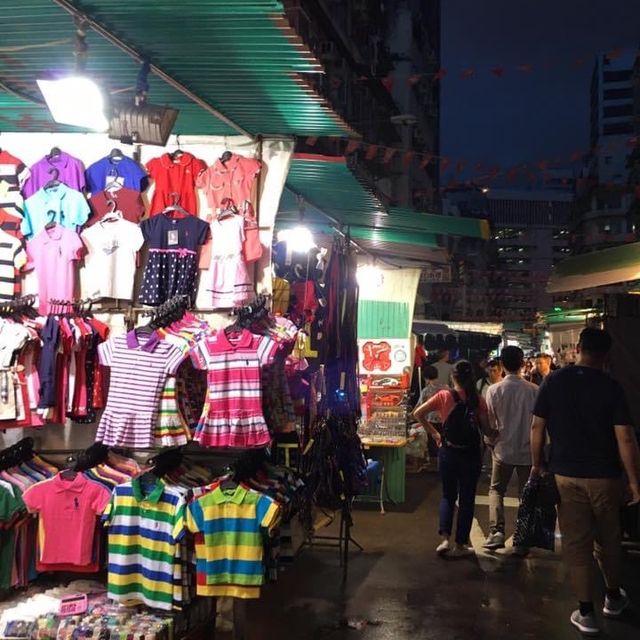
(146, 524)
(139, 370)
(13, 174)
(13, 258)
(232, 415)
(229, 528)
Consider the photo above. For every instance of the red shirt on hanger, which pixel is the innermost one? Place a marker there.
(128, 201)
(175, 176)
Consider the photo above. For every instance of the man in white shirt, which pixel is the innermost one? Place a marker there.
(444, 368)
(510, 404)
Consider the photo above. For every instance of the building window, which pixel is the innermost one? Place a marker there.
(618, 94)
(617, 76)
(618, 111)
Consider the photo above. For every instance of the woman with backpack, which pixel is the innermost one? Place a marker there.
(465, 419)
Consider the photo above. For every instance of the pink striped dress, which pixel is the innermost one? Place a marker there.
(139, 369)
(232, 415)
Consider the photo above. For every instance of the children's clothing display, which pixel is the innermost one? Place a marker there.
(172, 265)
(66, 168)
(128, 201)
(110, 264)
(233, 412)
(232, 180)
(67, 507)
(52, 252)
(174, 177)
(139, 367)
(115, 169)
(230, 526)
(145, 520)
(59, 204)
(228, 277)
(13, 174)
(12, 259)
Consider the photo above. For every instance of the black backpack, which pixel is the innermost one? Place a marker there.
(461, 428)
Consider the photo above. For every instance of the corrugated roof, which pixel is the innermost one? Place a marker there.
(239, 56)
(330, 186)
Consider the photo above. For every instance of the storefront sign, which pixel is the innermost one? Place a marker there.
(379, 357)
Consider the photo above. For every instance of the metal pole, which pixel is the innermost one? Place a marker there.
(170, 80)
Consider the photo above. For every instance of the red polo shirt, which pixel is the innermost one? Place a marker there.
(177, 176)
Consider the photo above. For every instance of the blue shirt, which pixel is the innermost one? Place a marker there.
(126, 172)
(61, 204)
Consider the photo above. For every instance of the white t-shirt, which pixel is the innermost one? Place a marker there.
(110, 264)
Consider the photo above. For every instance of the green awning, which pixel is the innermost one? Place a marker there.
(329, 184)
(596, 269)
(239, 56)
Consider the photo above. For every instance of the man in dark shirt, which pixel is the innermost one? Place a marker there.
(585, 413)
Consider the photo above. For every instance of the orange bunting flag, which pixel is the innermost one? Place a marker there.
(497, 71)
(425, 161)
(465, 74)
(440, 74)
(387, 83)
(372, 152)
(576, 156)
(414, 79)
(444, 164)
(407, 159)
(311, 140)
(388, 154)
(352, 145)
(525, 68)
(460, 166)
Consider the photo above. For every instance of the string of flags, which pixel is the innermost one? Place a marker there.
(505, 70)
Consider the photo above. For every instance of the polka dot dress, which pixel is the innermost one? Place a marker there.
(172, 267)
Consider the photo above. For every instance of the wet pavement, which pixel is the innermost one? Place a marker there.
(399, 589)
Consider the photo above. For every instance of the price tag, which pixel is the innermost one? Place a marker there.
(172, 237)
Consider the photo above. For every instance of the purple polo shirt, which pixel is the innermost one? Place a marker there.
(71, 173)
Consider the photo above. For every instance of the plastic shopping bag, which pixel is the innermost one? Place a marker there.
(536, 523)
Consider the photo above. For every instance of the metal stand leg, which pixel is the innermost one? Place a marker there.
(382, 489)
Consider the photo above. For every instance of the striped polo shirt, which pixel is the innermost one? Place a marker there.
(13, 258)
(229, 528)
(145, 525)
(13, 174)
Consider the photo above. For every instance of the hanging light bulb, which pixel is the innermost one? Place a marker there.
(298, 239)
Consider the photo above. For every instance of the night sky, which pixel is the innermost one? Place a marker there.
(522, 118)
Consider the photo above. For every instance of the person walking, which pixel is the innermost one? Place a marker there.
(585, 413)
(444, 368)
(464, 415)
(510, 406)
(542, 368)
(492, 375)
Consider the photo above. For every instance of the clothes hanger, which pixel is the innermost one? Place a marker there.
(54, 181)
(228, 209)
(116, 154)
(52, 220)
(113, 212)
(54, 153)
(175, 207)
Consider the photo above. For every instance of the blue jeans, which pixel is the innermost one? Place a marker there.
(459, 472)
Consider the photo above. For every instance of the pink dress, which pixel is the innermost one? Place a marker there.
(232, 415)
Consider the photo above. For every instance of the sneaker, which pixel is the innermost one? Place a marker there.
(443, 548)
(495, 540)
(462, 551)
(585, 624)
(614, 607)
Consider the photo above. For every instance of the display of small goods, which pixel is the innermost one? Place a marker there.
(50, 615)
(384, 401)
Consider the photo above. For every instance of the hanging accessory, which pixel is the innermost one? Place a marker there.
(175, 207)
(227, 210)
(54, 181)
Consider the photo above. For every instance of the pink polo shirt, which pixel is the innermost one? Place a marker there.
(67, 510)
(52, 253)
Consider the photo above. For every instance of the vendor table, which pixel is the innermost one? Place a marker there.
(391, 453)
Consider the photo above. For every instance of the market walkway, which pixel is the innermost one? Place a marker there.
(399, 583)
